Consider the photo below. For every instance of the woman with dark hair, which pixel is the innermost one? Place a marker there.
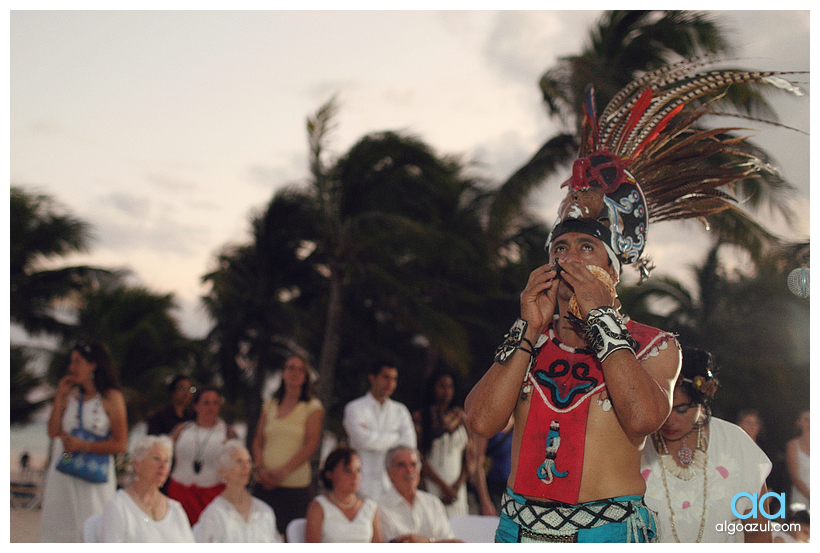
(443, 439)
(88, 417)
(287, 435)
(696, 464)
(195, 479)
(751, 423)
(180, 392)
(341, 516)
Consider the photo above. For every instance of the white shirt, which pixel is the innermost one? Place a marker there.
(220, 522)
(373, 428)
(734, 464)
(425, 517)
(124, 522)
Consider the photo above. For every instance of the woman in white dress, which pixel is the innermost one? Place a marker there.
(341, 516)
(797, 462)
(89, 391)
(443, 438)
(235, 516)
(195, 480)
(696, 464)
(141, 513)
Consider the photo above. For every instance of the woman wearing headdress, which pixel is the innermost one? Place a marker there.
(87, 398)
(696, 464)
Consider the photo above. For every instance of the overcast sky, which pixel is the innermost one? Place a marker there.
(167, 130)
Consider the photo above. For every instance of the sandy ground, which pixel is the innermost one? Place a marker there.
(25, 526)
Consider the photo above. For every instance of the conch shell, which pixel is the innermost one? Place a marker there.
(601, 275)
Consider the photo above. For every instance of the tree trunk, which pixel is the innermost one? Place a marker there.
(332, 339)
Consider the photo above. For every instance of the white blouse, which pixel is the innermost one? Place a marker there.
(734, 464)
(124, 522)
(220, 522)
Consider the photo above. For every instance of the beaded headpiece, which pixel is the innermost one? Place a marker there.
(645, 160)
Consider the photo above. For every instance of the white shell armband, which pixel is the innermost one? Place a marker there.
(512, 341)
(606, 332)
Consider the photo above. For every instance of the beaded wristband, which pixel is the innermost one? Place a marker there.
(606, 332)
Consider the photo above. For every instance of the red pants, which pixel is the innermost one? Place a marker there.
(194, 499)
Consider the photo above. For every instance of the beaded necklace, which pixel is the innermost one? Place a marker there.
(699, 460)
(344, 506)
(693, 462)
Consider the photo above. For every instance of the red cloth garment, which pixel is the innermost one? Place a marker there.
(194, 499)
(551, 457)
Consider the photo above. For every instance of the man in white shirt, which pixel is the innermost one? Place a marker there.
(407, 514)
(374, 423)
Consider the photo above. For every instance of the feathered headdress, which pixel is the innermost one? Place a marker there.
(644, 160)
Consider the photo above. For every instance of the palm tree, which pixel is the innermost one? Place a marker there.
(41, 231)
(383, 249)
(622, 46)
(261, 296)
(21, 384)
(408, 241)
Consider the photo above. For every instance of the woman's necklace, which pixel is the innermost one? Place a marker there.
(693, 461)
(672, 512)
(200, 445)
(340, 504)
(697, 462)
(150, 508)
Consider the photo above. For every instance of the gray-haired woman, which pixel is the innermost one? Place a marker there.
(235, 516)
(141, 513)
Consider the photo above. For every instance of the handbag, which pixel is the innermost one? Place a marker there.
(91, 467)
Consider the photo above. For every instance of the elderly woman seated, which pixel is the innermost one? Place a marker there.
(141, 513)
(234, 516)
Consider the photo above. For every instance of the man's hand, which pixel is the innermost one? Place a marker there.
(590, 292)
(539, 297)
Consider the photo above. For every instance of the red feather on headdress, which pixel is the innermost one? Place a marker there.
(652, 161)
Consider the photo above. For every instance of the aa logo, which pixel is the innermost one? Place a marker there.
(761, 505)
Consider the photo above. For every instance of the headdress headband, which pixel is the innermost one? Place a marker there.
(644, 160)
